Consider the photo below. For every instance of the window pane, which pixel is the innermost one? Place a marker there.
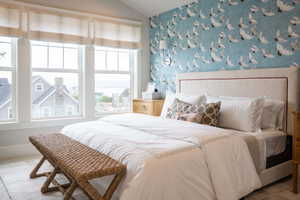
(55, 95)
(5, 54)
(70, 58)
(39, 56)
(55, 57)
(112, 93)
(100, 60)
(112, 60)
(6, 93)
(124, 61)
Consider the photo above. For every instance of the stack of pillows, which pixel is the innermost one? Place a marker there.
(239, 113)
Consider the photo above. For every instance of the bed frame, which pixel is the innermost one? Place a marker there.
(276, 83)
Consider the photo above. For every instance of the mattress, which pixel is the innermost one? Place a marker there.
(264, 144)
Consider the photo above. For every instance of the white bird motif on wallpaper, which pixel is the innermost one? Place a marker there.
(296, 2)
(241, 24)
(196, 24)
(267, 13)
(195, 31)
(153, 50)
(253, 31)
(264, 1)
(182, 47)
(229, 62)
(244, 35)
(222, 35)
(279, 38)
(252, 59)
(242, 62)
(197, 55)
(232, 39)
(220, 44)
(254, 49)
(295, 20)
(295, 45)
(201, 15)
(204, 60)
(292, 33)
(191, 44)
(220, 9)
(229, 26)
(251, 19)
(152, 24)
(262, 38)
(190, 13)
(283, 51)
(215, 23)
(215, 57)
(202, 48)
(254, 9)
(267, 54)
(204, 27)
(182, 17)
(179, 36)
(171, 33)
(233, 2)
(294, 65)
(212, 13)
(283, 7)
(174, 21)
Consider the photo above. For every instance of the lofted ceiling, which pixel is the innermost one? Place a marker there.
(154, 7)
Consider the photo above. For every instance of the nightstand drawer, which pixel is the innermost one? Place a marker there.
(149, 107)
(143, 107)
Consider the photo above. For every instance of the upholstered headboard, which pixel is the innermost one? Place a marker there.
(276, 83)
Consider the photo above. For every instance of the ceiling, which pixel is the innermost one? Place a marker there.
(154, 7)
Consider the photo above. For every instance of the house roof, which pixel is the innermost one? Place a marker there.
(5, 90)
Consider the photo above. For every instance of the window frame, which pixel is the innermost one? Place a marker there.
(117, 72)
(50, 69)
(13, 70)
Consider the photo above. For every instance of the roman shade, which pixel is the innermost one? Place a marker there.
(58, 25)
(10, 20)
(117, 34)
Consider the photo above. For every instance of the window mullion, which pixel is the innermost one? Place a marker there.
(24, 81)
(89, 80)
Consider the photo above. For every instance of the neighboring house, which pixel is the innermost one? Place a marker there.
(47, 100)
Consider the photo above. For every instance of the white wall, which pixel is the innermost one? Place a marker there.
(14, 142)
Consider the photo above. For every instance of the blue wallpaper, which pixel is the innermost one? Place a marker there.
(211, 35)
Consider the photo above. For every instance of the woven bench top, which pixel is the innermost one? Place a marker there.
(76, 159)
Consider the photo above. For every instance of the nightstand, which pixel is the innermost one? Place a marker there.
(149, 107)
(296, 150)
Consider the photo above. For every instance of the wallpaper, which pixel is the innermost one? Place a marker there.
(211, 35)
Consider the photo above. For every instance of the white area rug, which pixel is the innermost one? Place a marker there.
(15, 184)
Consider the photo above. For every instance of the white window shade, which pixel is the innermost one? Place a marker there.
(118, 35)
(58, 27)
(10, 24)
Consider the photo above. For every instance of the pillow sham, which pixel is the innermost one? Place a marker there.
(272, 114)
(209, 115)
(191, 99)
(240, 113)
(181, 107)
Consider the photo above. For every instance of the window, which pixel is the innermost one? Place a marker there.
(39, 87)
(56, 75)
(113, 78)
(7, 78)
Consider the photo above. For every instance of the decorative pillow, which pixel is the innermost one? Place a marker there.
(238, 113)
(191, 99)
(181, 107)
(209, 115)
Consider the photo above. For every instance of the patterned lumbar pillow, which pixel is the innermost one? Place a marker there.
(208, 114)
(181, 107)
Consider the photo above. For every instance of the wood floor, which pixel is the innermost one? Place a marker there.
(16, 185)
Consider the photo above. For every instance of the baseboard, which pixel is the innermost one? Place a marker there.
(17, 151)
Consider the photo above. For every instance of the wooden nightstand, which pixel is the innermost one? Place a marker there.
(150, 107)
(296, 150)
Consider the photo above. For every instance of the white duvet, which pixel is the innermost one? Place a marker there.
(170, 159)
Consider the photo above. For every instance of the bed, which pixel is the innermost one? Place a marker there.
(171, 159)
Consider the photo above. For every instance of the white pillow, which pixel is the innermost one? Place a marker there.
(272, 114)
(170, 97)
(240, 113)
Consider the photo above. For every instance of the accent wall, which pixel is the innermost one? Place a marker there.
(224, 35)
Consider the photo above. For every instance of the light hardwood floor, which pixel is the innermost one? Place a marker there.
(16, 185)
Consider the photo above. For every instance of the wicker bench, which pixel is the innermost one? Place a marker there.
(78, 163)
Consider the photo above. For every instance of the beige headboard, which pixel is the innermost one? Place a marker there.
(276, 83)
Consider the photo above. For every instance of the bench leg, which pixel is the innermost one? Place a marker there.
(45, 188)
(295, 179)
(34, 173)
(70, 191)
(113, 185)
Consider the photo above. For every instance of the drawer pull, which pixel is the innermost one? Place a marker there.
(144, 107)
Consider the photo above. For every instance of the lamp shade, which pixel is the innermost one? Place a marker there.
(163, 44)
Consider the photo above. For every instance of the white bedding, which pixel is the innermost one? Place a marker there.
(170, 159)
